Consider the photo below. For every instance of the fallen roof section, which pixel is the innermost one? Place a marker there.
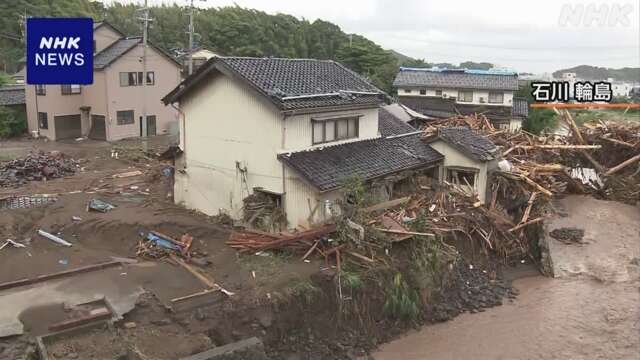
(390, 124)
(468, 141)
(291, 84)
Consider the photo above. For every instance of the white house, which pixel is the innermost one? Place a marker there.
(444, 93)
(292, 129)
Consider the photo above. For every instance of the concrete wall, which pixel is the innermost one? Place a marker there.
(477, 95)
(228, 128)
(453, 158)
(298, 128)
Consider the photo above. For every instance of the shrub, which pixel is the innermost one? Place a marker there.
(12, 122)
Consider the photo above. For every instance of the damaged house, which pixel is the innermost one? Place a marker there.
(289, 129)
(443, 93)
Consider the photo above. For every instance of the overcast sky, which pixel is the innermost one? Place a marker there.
(526, 36)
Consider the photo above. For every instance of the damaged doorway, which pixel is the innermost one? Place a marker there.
(263, 210)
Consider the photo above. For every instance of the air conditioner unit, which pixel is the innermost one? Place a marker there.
(482, 100)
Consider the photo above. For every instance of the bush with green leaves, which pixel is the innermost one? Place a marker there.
(13, 122)
(402, 300)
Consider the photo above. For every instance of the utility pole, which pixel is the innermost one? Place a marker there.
(145, 26)
(191, 38)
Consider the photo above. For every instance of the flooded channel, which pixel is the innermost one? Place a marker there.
(591, 310)
(551, 319)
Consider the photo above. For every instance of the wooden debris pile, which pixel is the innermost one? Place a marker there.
(448, 213)
(37, 166)
(252, 241)
(261, 211)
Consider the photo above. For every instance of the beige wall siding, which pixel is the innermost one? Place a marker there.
(298, 128)
(301, 198)
(167, 77)
(104, 36)
(455, 158)
(228, 127)
(53, 103)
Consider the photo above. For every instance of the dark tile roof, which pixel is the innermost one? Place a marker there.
(12, 95)
(114, 51)
(291, 84)
(327, 167)
(520, 107)
(471, 143)
(455, 79)
(389, 124)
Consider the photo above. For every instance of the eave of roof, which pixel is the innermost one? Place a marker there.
(473, 145)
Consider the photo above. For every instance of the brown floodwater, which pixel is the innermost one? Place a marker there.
(591, 310)
(551, 319)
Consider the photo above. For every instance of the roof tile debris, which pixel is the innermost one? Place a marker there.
(408, 77)
(292, 83)
(468, 141)
(12, 95)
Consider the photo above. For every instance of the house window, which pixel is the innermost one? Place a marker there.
(41, 90)
(151, 78)
(70, 89)
(337, 129)
(43, 122)
(407, 91)
(462, 177)
(465, 96)
(135, 78)
(124, 117)
(423, 91)
(496, 98)
(438, 92)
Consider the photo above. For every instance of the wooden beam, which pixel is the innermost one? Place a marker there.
(401, 232)
(520, 226)
(622, 165)
(204, 279)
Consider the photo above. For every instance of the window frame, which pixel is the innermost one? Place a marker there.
(121, 122)
(43, 125)
(407, 91)
(460, 97)
(423, 91)
(353, 132)
(68, 89)
(449, 176)
(134, 78)
(41, 90)
(439, 91)
(153, 78)
(501, 94)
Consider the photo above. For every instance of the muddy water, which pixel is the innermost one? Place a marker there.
(551, 319)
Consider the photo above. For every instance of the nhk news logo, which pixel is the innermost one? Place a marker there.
(60, 51)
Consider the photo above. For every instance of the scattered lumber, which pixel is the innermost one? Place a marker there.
(252, 241)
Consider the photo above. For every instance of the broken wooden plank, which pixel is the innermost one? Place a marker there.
(401, 232)
(622, 165)
(387, 204)
(306, 255)
(520, 226)
(101, 313)
(194, 295)
(204, 279)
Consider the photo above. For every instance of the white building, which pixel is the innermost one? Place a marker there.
(444, 93)
(291, 129)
